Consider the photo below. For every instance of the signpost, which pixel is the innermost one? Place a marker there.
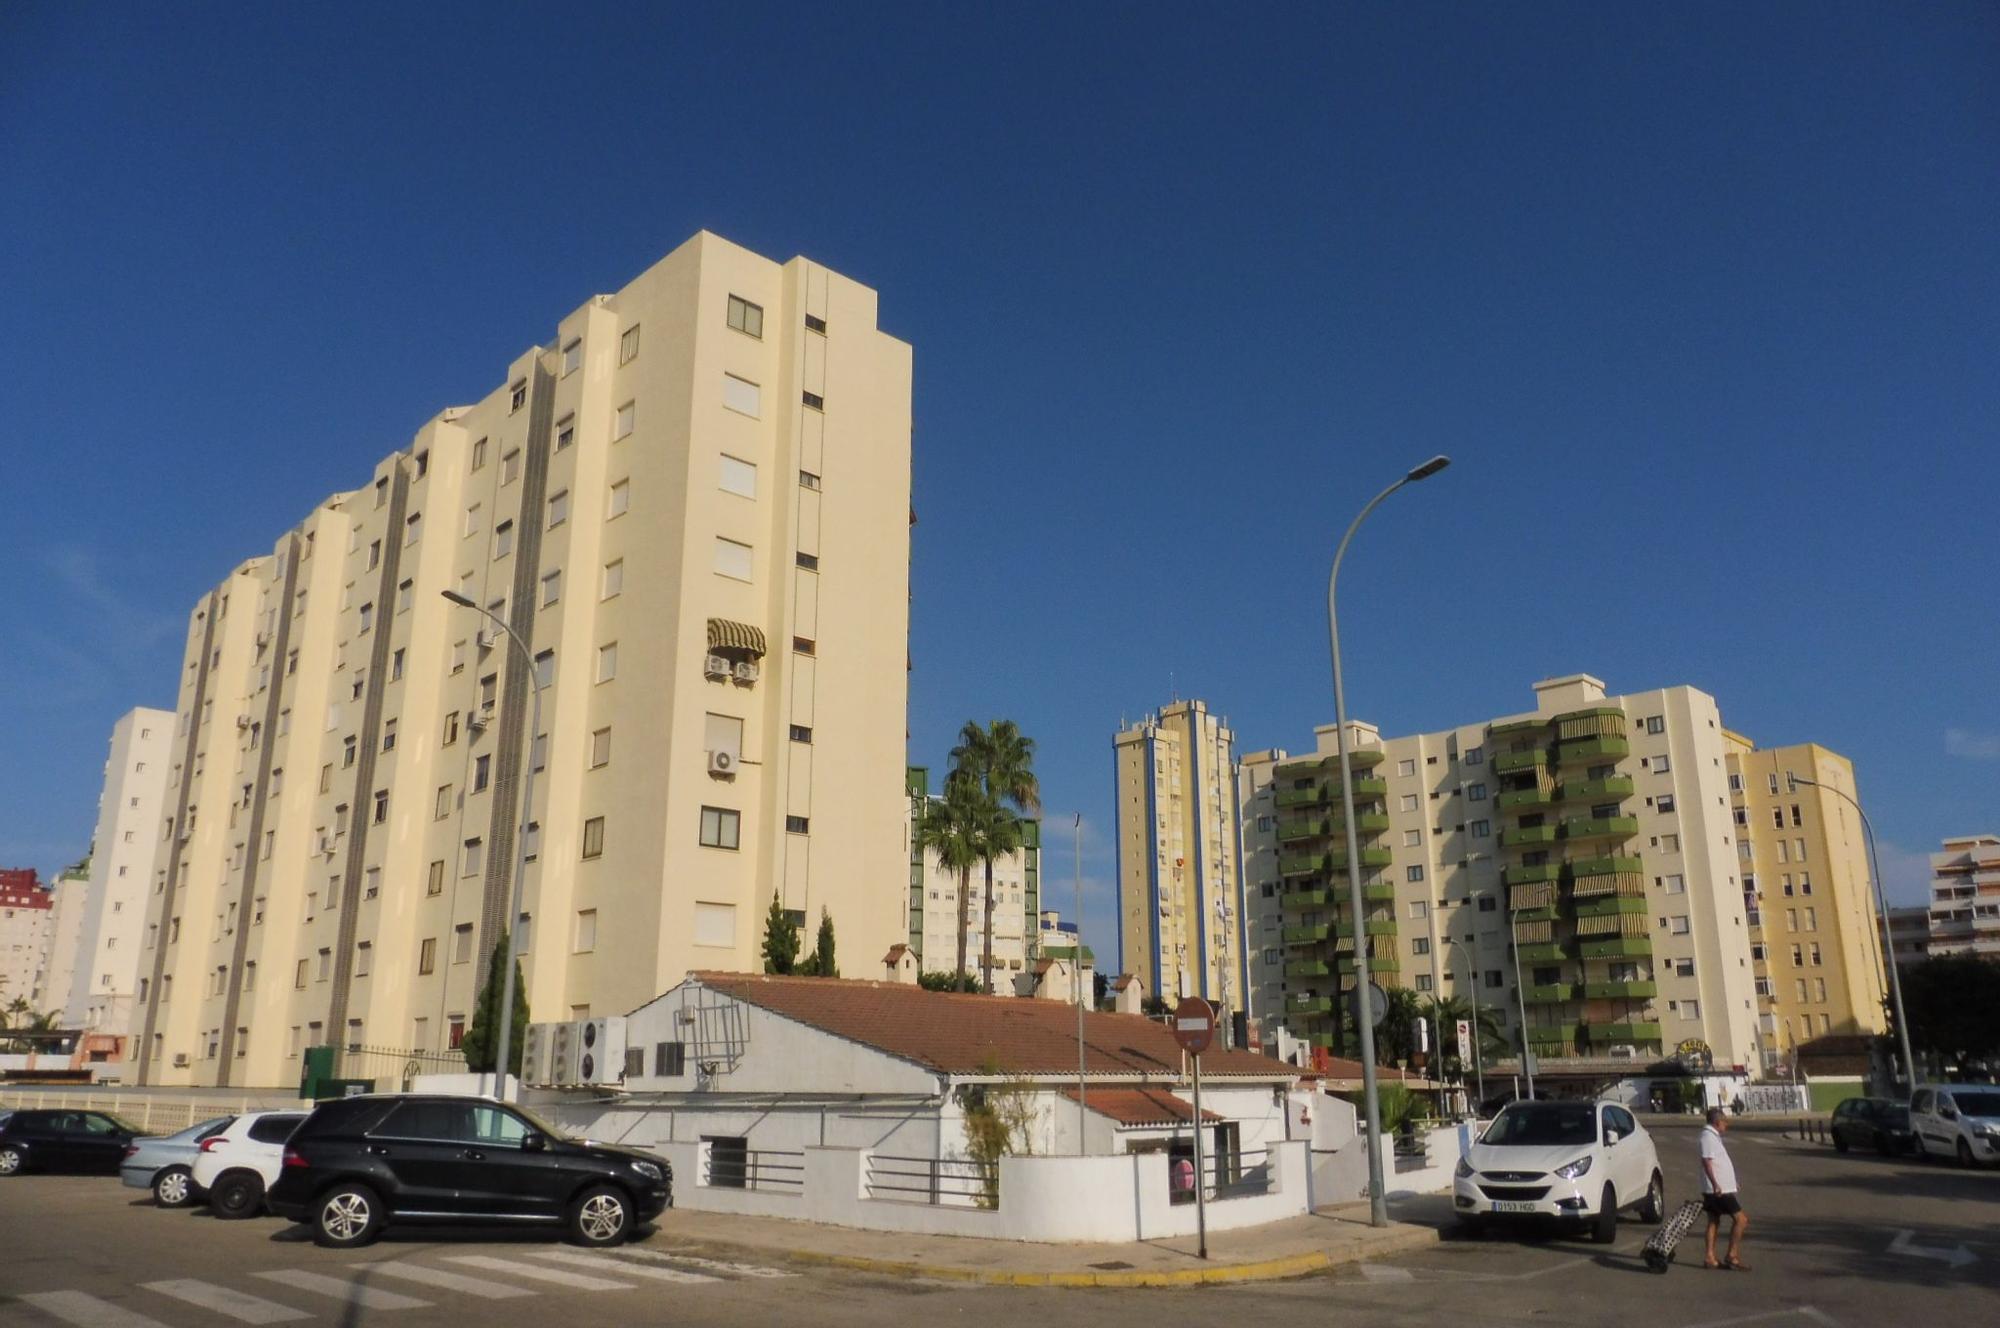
(1194, 1029)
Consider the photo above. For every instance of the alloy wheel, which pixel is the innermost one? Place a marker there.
(10, 1161)
(601, 1217)
(345, 1216)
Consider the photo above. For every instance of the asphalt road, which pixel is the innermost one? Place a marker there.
(1837, 1240)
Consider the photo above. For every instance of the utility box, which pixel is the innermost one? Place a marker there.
(315, 1069)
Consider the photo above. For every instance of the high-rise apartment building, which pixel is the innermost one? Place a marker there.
(1596, 831)
(1017, 888)
(1815, 940)
(26, 910)
(101, 913)
(1907, 934)
(1965, 897)
(692, 505)
(1179, 889)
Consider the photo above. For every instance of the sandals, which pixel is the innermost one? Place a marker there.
(1737, 1266)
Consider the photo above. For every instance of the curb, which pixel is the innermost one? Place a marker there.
(1265, 1270)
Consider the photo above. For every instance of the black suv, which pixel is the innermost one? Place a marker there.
(64, 1140)
(360, 1163)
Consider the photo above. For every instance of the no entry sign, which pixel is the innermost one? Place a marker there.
(1194, 1024)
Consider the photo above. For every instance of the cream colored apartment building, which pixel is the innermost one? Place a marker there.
(692, 503)
(1179, 888)
(1965, 897)
(27, 912)
(1596, 829)
(1017, 886)
(1815, 940)
(94, 956)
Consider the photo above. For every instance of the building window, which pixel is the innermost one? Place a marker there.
(531, 842)
(427, 955)
(669, 1060)
(1678, 925)
(1487, 904)
(413, 528)
(720, 827)
(586, 930)
(565, 432)
(381, 806)
(325, 965)
(1406, 769)
(798, 825)
(510, 466)
(364, 954)
(572, 356)
(1683, 968)
(479, 454)
(1661, 765)
(814, 323)
(746, 317)
(628, 344)
(1420, 945)
(443, 806)
(1675, 884)
(482, 773)
(503, 539)
(474, 855)
(1670, 843)
(732, 559)
(808, 480)
(551, 587)
(803, 645)
(1412, 838)
(1415, 873)
(1481, 829)
(396, 665)
(801, 733)
(435, 884)
(600, 748)
(742, 396)
(1424, 979)
(367, 617)
(593, 837)
(1664, 803)
(388, 735)
(1813, 950)
(621, 499)
(624, 421)
(809, 561)
(545, 669)
(1656, 724)
(812, 400)
(461, 943)
(1475, 755)
(1691, 1009)
(607, 661)
(738, 477)
(298, 976)
(558, 509)
(517, 395)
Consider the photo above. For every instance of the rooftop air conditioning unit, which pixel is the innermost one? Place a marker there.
(180, 1060)
(722, 763)
(600, 1054)
(562, 1054)
(746, 670)
(535, 1055)
(716, 666)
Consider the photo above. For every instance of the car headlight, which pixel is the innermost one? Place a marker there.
(1987, 1131)
(1464, 1170)
(1574, 1169)
(648, 1170)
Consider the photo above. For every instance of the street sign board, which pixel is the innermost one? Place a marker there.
(1194, 1024)
(1465, 1041)
(1378, 1004)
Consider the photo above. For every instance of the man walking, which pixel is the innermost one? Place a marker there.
(1718, 1192)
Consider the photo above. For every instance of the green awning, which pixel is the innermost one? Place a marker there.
(726, 635)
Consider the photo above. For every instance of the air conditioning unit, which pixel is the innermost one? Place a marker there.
(180, 1060)
(1624, 1051)
(716, 666)
(722, 763)
(477, 721)
(562, 1054)
(485, 637)
(326, 845)
(243, 720)
(600, 1055)
(746, 670)
(535, 1055)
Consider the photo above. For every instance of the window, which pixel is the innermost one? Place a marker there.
(808, 480)
(738, 477)
(510, 466)
(1481, 829)
(461, 943)
(803, 645)
(367, 616)
(628, 344)
(1409, 802)
(809, 561)
(1757, 952)
(572, 356)
(1406, 769)
(732, 559)
(607, 661)
(517, 395)
(1660, 765)
(1678, 924)
(600, 748)
(1475, 756)
(450, 729)
(545, 669)
(558, 509)
(325, 965)
(381, 806)
(482, 773)
(586, 930)
(479, 454)
(593, 837)
(1664, 803)
(814, 323)
(1493, 977)
(1424, 979)
(1799, 850)
(443, 805)
(1670, 843)
(364, 954)
(538, 752)
(1813, 951)
(742, 396)
(1487, 904)
(551, 587)
(812, 400)
(669, 1060)
(719, 826)
(1412, 838)
(427, 955)
(531, 842)
(746, 317)
(621, 499)
(435, 884)
(503, 539)
(396, 665)
(801, 733)
(413, 529)
(1475, 793)
(388, 735)
(1683, 968)
(1675, 884)
(473, 857)
(1796, 818)
(1420, 945)
(1691, 1009)
(374, 554)
(1414, 873)
(798, 825)
(1656, 723)
(299, 976)
(1805, 883)
(1812, 919)
(565, 432)
(347, 750)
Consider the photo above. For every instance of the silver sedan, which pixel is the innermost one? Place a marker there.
(164, 1163)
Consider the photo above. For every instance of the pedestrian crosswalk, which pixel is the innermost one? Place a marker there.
(335, 1291)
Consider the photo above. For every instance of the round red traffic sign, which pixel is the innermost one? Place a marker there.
(1194, 1024)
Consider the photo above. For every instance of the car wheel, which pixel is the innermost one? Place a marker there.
(1964, 1153)
(12, 1161)
(600, 1216)
(1605, 1229)
(173, 1188)
(236, 1195)
(1839, 1142)
(1653, 1207)
(346, 1216)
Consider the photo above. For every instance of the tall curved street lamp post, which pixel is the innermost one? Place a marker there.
(1478, 1068)
(513, 923)
(1881, 904)
(1378, 1207)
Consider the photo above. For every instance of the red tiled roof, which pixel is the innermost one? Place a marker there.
(1140, 1106)
(961, 1033)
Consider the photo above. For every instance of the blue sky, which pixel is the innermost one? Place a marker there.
(1703, 299)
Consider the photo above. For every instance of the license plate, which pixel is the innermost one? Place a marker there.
(1513, 1206)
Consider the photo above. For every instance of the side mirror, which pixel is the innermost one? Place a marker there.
(1611, 1137)
(1947, 1113)
(534, 1141)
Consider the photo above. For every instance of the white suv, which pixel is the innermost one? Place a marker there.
(236, 1166)
(1573, 1163)
(1957, 1120)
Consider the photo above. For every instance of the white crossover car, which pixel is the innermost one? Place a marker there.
(235, 1167)
(1957, 1120)
(1572, 1163)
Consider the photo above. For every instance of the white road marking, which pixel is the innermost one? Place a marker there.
(575, 1281)
(439, 1278)
(696, 1261)
(87, 1311)
(1957, 1256)
(624, 1268)
(1382, 1272)
(238, 1305)
(340, 1288)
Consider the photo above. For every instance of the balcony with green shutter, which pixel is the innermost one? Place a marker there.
(1540, 913)
(1307, 933)
(1370, 857)
(1517, 728)
(1597, 908)
(1309, 1005)
(1376, 964)
(1619, 947)
(1527, 835)
(1607, 789)
(1371, 823)
(1554, 993)
(1551, 1041)
(1625, 1032)
(1621, 991)
(1306, 968)
(1606, 866)
(1508, 763)
(1544, 952)
(1303, 827)
(1299, 900)
(1578, 829)
(1304, 864)
(1366, 787)
(1372, 926)
(1381, 892)
(1312, 796)
(1588, 751)
(1547, 871)
(1527, 799)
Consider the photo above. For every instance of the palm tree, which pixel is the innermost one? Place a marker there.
(998, 760)
(1444, 1014)
(952, 828)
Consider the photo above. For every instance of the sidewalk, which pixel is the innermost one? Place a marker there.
(1291, 1248)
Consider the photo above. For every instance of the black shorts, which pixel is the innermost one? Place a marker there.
(1721, 1205)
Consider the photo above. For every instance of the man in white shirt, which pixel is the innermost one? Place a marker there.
(1718, 1192)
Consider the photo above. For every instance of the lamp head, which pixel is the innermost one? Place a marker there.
(1428, 469)
(458, 599)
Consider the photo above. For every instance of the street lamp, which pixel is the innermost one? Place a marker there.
(1882, 903)
(1520, 997)
(1478, 1070)
(1378, 1208)
(521, 857)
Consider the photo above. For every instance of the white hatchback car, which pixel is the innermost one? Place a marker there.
(1957, 1120)
(236, 1166)
(1572, 1163)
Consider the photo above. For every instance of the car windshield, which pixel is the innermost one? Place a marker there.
(1537, 1124)
(1977, 1104)
(117, 1121)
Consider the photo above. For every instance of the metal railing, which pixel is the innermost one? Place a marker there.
(1241, 1175)
(948, 1182)
(768, 1169)
(395, 1067)
(153, 1115)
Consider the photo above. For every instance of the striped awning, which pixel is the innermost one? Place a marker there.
(1629, 884)
(1533, 896)
(1604, 924)
(726, 635)
(1534, 933)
